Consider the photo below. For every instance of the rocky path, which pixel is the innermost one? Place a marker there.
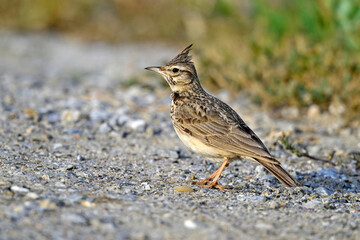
(87, 151)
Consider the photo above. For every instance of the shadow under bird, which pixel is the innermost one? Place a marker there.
(210, 127)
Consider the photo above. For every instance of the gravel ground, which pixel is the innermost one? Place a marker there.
(87, 151)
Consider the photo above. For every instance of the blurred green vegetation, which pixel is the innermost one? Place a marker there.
(299, 52)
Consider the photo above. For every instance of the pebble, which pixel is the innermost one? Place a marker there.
(313, 111)
(67, 168)
(73, 198)
(70, 115)
(164, 153)
(264, 226)
(80, 158)
(98, 115)
(260, 170)
(121, 120)
(322, 191)
(105, 128)
(31, 113)
(56, 146)
(190, 224)
(146, 186)
(73, 218)
(313, 203)
(137, 124)
(314, 150)
(47, 204)
(18, 189)
(53, 117)
(86, 203)
(274, 205)
(32, 195)
(45, 177)
(183, 189)
(60, 185)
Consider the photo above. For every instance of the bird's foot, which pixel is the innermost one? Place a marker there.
(211, 181)
(207, 183)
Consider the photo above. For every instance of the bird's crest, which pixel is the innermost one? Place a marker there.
(182, 57)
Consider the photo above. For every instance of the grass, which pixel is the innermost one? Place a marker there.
(289, 145)
(282, 52)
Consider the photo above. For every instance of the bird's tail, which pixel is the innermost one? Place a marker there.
(281, 174)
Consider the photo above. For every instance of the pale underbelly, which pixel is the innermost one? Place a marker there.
(203, 149)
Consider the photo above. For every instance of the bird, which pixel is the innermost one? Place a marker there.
(210, 127)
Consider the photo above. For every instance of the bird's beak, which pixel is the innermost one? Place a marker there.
(154, 69)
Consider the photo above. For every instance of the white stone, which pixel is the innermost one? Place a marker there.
(137, 124)
(19, 189)
(312, 204)
(190, 224)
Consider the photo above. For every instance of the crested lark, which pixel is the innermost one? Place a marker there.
(209, 126)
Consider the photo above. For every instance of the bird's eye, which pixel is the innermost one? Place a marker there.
(175, 70)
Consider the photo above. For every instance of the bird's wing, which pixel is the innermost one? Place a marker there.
(220, 130)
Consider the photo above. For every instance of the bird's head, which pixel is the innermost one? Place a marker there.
(180, 72)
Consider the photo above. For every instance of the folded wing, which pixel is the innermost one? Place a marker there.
(221, 131)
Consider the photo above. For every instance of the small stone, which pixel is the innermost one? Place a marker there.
(53, 117)
(183, 189)
(157, 131)
(146, 186)
(47, 204)
(70, 115)
(18, 189)
(80, 158)
(32, 195)
(32, 113)
(190, 224)
(105, 128)
(313, 203)
(264, 226)
(322, 191)
(45, 177)
(58, 154)
(29, 130)
(98, 116)
(67, 168)
(260, 170)
(73, 198)
(60, 185)
(73, 218)
(86, 203)
(313, 111)
(168, 154)
(274, 205)
(122, 120)
(123, 110)
(137, 124)
(70, 167)
(314, 150)
(57, 146)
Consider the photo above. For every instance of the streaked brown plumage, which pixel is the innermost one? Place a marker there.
(209, 126)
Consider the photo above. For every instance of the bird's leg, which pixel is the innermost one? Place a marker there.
(211, 181)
